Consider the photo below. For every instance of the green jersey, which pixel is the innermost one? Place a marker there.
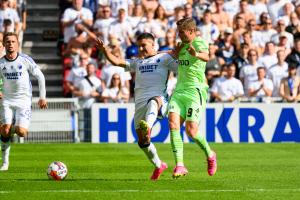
(191, 70)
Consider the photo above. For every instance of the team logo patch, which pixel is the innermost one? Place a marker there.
(20, 66)
(11, 67)
(158, 60)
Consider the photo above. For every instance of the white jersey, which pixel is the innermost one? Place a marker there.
(151, 75)
(16, 80)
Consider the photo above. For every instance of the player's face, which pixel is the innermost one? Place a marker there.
(185, 35)
(11, 44)
(146, 47)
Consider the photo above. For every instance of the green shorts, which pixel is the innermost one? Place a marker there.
(189, 104)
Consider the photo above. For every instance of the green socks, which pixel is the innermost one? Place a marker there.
(202, 143)
(177, 146)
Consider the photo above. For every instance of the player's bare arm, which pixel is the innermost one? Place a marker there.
(111, 58)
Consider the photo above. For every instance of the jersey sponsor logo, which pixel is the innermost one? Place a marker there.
(184, 62)
(12, 75)
(147, 68)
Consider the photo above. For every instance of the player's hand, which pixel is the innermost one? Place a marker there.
(100, 44)
(175, 52)
(1, 95)
(43, 104)
(192, 50)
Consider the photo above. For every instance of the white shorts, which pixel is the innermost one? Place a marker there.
(16, 115)
(141, 109)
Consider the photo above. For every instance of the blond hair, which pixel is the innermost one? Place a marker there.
(186, 24)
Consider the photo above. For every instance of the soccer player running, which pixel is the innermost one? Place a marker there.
(16, 101)
(189, 98)
(152, 70)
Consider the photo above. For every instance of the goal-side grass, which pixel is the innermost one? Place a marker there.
(121, 171)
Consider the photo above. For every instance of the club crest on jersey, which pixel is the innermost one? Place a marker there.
(158, 60)
(11, 67)
(20, 66)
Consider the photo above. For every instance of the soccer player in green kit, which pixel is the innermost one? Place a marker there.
(189, 98)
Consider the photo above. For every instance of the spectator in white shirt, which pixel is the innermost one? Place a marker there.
(7, 13)
(227, 88)
(277, 72)
(209, 31)
(89, 88)
(262, 87)
(170, 5)
(267, 32)
(122, 30)
(248, 73)
(116, 5)
(103, 22)
(269, 57)
(281, 26)
(74, 15)
(257, 7)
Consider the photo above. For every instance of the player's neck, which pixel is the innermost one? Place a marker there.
(11, 56)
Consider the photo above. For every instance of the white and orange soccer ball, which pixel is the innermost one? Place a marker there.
(57, 171)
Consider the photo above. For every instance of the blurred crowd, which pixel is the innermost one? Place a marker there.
(254, 45)
(12, 19)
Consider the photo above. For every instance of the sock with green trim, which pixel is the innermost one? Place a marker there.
(203, 144)
(177, 147)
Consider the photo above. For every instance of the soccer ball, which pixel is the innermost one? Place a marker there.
(57, 171)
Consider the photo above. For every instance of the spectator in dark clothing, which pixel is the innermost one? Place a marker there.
(294, 57)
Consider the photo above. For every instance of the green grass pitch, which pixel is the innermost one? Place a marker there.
(121, 171)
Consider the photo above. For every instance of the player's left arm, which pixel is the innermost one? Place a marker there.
(37, 73)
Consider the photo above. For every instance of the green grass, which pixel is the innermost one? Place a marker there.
(121, 171)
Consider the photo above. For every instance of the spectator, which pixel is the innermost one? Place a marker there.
(160, 17)
(255, 35)
(275, 8)
(226, 48)
(262, 87)
(281, 31)
(149, 4)
(257, 7)
(122, 30)
(247, 39)
(294, 57)
(116, 5)
(266, 32)
(109, 70)
(21, 7)
(178, 14)
(213, 66)
(170, 41)
(248, 72)
(244, 12)
(283, 44)
(9, 14)
(199, 7)
(220, 17)
(115, 93)
(239, 29)
(209, 31)
(89, 88)
(290, 86)
(75, 15)
(92, 5)
(77, 74)
(137, 17)
(227, 88)
(170, 5)
(288, 9)
(231, 7)
(269, 57)
(189, 12)
(278, 72)
(240, 59)
(102, 23)
(294, 23)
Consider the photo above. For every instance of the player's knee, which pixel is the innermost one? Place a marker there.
(5, 131)
(22, 132)
(143, 144)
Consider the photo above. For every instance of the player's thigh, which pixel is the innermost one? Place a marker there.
(195, 102)
(176, 105)
(6, 114)
(23, 118)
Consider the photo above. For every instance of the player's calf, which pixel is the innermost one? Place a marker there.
(22, 132)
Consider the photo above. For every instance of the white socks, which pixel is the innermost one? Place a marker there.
(5, 149)
(151, 113)
(152, 155)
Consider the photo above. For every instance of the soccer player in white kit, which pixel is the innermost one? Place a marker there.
(17, 93)
(151, 76)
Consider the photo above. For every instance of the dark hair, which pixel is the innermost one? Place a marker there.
(10, 34)
(145, 36)
(261, 67)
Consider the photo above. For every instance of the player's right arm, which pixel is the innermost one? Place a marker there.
(111, 58)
